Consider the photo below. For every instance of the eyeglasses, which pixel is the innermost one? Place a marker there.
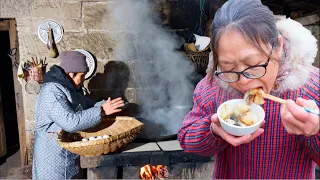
(252, 72)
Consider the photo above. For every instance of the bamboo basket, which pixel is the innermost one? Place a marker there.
(199, 60)
(121, 129)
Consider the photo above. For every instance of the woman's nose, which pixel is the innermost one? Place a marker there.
(243, 79)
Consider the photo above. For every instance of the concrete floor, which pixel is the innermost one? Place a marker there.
(12, 168)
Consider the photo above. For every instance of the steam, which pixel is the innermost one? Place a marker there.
(161, 73)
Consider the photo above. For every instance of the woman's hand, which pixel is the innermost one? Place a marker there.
(233, 140)
(297, 121)
(112, 106)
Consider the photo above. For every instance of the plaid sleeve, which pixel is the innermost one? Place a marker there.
(312, 145)
(311, 90)
(195, 135)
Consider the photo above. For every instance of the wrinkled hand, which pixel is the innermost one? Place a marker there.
(297, 121)
(112, 106)
(233, 140)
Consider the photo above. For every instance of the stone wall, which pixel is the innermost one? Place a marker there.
(87, 25)
(83, 28)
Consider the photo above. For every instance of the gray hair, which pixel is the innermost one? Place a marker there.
(251, 18)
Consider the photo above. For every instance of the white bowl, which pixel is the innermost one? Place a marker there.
(239, 130)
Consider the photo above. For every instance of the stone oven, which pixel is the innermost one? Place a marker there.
(163, 80)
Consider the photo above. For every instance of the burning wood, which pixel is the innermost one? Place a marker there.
(154, 172)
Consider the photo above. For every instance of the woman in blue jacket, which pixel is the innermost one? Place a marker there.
(62, 105)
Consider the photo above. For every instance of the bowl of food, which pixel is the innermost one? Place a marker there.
(238, 118)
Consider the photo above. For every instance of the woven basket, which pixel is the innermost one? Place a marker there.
(35, 73)
(199, 60)
(121, 129)
(190, 47)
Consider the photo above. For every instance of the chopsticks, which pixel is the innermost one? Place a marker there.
(282, 101)
(311, 111)
(274, 98)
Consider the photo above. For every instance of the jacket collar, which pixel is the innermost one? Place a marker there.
(57, 75)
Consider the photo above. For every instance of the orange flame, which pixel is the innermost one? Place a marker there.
(153, 172)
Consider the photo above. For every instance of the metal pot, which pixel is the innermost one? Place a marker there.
(165, 125)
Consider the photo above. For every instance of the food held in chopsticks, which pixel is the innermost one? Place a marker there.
(257, 96)
(254, 95)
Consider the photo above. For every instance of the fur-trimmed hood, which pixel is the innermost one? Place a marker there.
(299, 52)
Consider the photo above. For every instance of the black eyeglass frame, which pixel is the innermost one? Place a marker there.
(242, 72)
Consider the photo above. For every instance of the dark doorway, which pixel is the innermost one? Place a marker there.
(8, 96)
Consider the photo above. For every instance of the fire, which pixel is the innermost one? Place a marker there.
(153, 172)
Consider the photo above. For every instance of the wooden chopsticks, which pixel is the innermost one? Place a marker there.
(261, 93)
(273, 98)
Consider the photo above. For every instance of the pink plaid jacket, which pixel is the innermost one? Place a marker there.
(273, 155)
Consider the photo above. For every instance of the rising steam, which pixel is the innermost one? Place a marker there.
(161, 73)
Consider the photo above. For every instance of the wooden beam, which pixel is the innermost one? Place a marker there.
(18, 95)
(3, 145)
(4, 25)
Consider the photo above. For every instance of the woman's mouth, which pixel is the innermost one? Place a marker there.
(248, 89)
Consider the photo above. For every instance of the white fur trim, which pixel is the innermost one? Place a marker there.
(303, 50)
(303, 45)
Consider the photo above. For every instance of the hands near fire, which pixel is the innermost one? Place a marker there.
(112, 106)
(297, 121)
(233, 140)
